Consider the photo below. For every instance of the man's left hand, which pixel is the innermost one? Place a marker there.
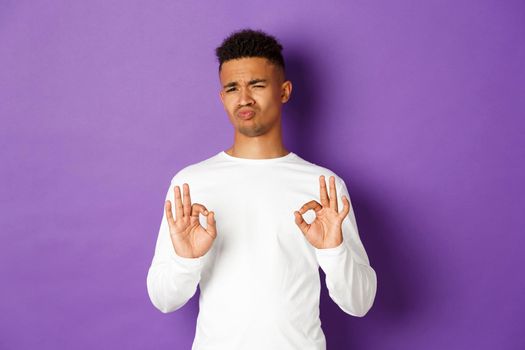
(325, 231)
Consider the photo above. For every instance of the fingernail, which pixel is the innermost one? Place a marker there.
(205, 212)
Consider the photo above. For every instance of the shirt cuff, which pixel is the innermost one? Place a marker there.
(331, 259)
(189, 262)
(331, 251)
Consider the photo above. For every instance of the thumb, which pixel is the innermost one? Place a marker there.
(211, 226)
(346, 208)
(300, 222)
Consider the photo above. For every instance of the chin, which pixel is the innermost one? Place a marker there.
(252, 132)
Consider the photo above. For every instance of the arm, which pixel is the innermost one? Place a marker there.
(172, 279)
(350, 279)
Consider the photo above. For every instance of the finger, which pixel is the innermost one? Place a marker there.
(323, 195)
(187, 199)
(333, 194)
(346, 207)
(211, 227)
(169, 214)
(197, 209)
(178, 203)
(299, 221)
(313, 204)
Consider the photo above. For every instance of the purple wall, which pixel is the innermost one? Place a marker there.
(418, 105)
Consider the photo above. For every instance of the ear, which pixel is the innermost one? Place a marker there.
(286, 91)
(221, 95)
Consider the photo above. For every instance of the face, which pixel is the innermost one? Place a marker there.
(253, 92)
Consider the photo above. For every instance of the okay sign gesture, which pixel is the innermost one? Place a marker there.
(325, 231)
(189, 238)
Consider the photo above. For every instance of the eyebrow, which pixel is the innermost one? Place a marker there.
(251, 82)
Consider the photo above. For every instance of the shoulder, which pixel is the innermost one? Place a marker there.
(194, 170)
(317, 170)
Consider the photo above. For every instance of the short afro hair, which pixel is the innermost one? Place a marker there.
(250, 43)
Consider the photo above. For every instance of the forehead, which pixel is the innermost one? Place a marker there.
(247, 68)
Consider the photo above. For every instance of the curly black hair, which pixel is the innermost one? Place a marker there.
(250, 43)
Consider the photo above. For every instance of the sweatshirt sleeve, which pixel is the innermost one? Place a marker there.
(350, 280)
(172, 279)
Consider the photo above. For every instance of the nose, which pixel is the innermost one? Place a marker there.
(245, 97)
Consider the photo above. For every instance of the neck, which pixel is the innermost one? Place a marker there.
(268, 145)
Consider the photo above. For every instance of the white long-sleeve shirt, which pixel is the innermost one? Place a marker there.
(259, 283)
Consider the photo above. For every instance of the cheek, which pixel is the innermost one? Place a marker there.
(267, 99)
(271, 102)
(228, 104)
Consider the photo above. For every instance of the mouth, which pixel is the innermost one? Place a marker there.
(246, 114)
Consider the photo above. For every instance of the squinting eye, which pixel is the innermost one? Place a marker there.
(261, 86)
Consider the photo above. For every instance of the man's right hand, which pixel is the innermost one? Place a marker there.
(189, 238)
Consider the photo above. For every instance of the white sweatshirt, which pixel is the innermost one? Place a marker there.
(259, 283)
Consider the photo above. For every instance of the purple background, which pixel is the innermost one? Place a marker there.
(417, 105)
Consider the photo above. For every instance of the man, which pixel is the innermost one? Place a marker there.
(252, 234)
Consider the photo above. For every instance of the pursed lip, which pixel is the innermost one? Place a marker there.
(245, 113)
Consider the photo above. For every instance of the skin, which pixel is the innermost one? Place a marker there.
(255, 84)
(261, 136)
